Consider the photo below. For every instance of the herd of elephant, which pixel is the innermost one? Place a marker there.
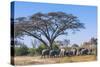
(62, 52)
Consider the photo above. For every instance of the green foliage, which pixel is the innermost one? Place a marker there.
(40, 48)
(32, 51)
(55, 47)
(21, 51)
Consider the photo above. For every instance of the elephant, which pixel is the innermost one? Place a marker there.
(62, 52)
(90, 51)
(54, 53)
(68, 53)
(45, 53)
(71, 52)
(57, 53)
(84, 51)
(74, 51)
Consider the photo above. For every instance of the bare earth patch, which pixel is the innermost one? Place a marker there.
(26, 60)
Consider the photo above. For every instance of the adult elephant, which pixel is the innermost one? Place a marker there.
(68, 53)
(90, 51)
(45, 53)
(57, 53)
(54, 53)
(71, 52)
(62, 52)
(74, 51)
(84, 51)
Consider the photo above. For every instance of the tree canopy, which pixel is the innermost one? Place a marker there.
(49, 25)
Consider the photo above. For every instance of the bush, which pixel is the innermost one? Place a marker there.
(40, 48)
(21, 51)
(32, 51)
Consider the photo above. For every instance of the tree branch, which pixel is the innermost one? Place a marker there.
(36, 37)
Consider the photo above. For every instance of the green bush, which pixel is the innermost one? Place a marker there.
(32, 51)
(21, 51)
(40, 48)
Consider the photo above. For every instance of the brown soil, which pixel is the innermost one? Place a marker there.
(26, 60)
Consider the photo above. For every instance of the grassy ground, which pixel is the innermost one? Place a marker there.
(26, 60)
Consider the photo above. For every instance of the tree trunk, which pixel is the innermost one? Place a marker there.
(51, 45)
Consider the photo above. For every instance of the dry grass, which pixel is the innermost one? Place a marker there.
(26, 60)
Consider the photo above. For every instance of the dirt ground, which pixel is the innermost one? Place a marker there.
(27, 60)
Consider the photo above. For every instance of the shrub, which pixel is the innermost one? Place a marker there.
(21, 51)
(40, 48)
(32, 51)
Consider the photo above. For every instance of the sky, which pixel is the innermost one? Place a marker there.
(86, 15)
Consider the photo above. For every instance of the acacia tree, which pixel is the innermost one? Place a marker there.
(49, 25)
